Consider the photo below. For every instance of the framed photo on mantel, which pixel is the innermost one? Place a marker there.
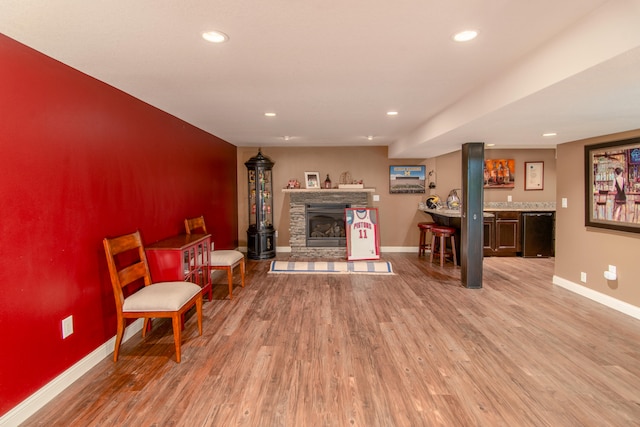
(312, 179)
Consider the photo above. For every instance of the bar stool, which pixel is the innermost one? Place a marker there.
(439, 238)
(424, 246)
(636, 210)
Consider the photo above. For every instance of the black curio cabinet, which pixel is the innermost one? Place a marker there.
(261, 234)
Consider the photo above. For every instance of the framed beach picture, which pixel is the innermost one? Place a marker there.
(612, 185)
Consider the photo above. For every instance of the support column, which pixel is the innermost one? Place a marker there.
(471, 250)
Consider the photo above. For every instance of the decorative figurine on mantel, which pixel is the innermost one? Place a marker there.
(293, 183)
(346, 181)
(345, 178)
(327, 183)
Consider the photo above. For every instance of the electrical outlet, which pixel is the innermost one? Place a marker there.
(583, 277)
(509, 198)
(564, 202)
(67, 326)
(376, 197)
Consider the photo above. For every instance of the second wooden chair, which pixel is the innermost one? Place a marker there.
(222, 259)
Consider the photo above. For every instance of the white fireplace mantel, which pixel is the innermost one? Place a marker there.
(332, 190)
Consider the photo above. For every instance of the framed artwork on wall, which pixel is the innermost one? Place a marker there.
(534, 175)
(499, 173)
(407, 179)
(612, 185)
(312, 179)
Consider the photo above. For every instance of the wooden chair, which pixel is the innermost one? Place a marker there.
(220, 260)
(128, 265)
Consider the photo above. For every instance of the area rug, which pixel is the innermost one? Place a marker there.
(331, 267)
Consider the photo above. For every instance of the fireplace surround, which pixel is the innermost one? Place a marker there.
(299, 198)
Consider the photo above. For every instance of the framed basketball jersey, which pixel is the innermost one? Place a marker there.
(363, 237)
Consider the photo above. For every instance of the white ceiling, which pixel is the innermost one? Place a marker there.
(331, 69)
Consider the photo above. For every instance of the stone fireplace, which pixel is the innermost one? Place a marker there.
(299, 199)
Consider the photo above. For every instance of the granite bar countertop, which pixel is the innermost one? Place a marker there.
(521, 206)
(451, 213)
(497, 207)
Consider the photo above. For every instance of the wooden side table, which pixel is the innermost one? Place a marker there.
(182, 257)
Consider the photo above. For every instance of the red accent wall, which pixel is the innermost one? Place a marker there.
(81, 160)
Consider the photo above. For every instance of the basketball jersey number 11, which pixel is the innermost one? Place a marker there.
(362, 233)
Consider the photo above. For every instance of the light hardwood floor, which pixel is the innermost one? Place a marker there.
(414, 349)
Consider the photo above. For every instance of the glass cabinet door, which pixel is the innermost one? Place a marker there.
(253, 198)
(266, 215)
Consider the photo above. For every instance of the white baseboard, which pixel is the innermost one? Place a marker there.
(389, 249)
(399, 249)
(37, 400)
(616, 304)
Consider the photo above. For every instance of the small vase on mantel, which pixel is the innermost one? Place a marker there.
(327, 183)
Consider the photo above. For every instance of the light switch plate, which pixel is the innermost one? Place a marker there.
(564, 202)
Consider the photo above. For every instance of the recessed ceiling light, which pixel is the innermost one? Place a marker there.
(465, 36)
(270, 114)
(392, 113)
(548, 134)
(215, 36)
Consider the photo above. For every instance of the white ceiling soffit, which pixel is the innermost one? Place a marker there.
(580, 84)
(331, 69)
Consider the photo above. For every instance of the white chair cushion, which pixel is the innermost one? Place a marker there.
(225, 258)
(162, 296)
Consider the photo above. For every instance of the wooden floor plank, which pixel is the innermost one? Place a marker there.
(412, 349)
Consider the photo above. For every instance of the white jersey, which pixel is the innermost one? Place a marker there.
(362, 234)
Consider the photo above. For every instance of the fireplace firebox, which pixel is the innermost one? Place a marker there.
(325, 224)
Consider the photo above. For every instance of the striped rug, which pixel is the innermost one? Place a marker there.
(331, 267)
